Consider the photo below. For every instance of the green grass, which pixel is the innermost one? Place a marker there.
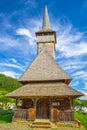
(6, 118)
(82, 118)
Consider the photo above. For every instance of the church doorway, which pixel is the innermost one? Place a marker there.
(43, 109)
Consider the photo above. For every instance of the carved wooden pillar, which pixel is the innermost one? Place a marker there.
(35, 103)
(34, 108)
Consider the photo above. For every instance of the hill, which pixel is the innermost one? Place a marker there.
(7, 84)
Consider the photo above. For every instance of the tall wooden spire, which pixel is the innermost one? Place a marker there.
(46, 21)
(46, 37)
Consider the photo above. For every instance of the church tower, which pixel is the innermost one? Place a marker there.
(46, 38)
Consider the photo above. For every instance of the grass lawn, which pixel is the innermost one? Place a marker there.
(82, 118)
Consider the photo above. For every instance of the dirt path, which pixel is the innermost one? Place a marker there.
(12, 126)
(15, 126)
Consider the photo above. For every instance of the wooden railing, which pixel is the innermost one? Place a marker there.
(24, 114)
(56, 115)
(20, 114)
(67, 115)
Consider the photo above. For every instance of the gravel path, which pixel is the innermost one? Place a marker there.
(15, 126)
(12, 126)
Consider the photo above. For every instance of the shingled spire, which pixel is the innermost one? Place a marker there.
(46, 22)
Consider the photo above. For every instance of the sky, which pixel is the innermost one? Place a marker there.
(20, 19)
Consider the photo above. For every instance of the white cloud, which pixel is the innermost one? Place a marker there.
(24, 31)
(26, 43)
(85, 87)
(70, 67)
(84, 91)
(74, 50)
(29, 38)
(11, 74)
(75, 67)
(29, 3)
(8, 41)
(12, 65)
(85, 95)
(80, 75)
(22, 46)
(76, 83)
(70, 41)
(73, 64)
(13, 60)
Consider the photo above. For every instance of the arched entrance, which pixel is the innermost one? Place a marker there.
(43, 108)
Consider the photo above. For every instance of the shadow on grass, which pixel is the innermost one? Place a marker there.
(6, 118)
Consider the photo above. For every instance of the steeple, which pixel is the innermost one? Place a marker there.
(46, 37)
(46, 22)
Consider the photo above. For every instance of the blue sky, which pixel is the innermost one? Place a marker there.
(20, 19)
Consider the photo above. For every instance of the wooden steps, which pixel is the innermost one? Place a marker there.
(41, 124)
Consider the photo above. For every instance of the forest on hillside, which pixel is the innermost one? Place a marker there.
(7, 84)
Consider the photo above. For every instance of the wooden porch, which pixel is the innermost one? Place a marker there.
(55, 115)
(44, 108)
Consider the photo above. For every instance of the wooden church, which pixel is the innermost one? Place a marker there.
(45, 93)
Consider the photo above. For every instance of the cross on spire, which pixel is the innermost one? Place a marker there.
(46, 22)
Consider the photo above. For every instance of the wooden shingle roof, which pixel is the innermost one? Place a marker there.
(44, 68)
(45, 89)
